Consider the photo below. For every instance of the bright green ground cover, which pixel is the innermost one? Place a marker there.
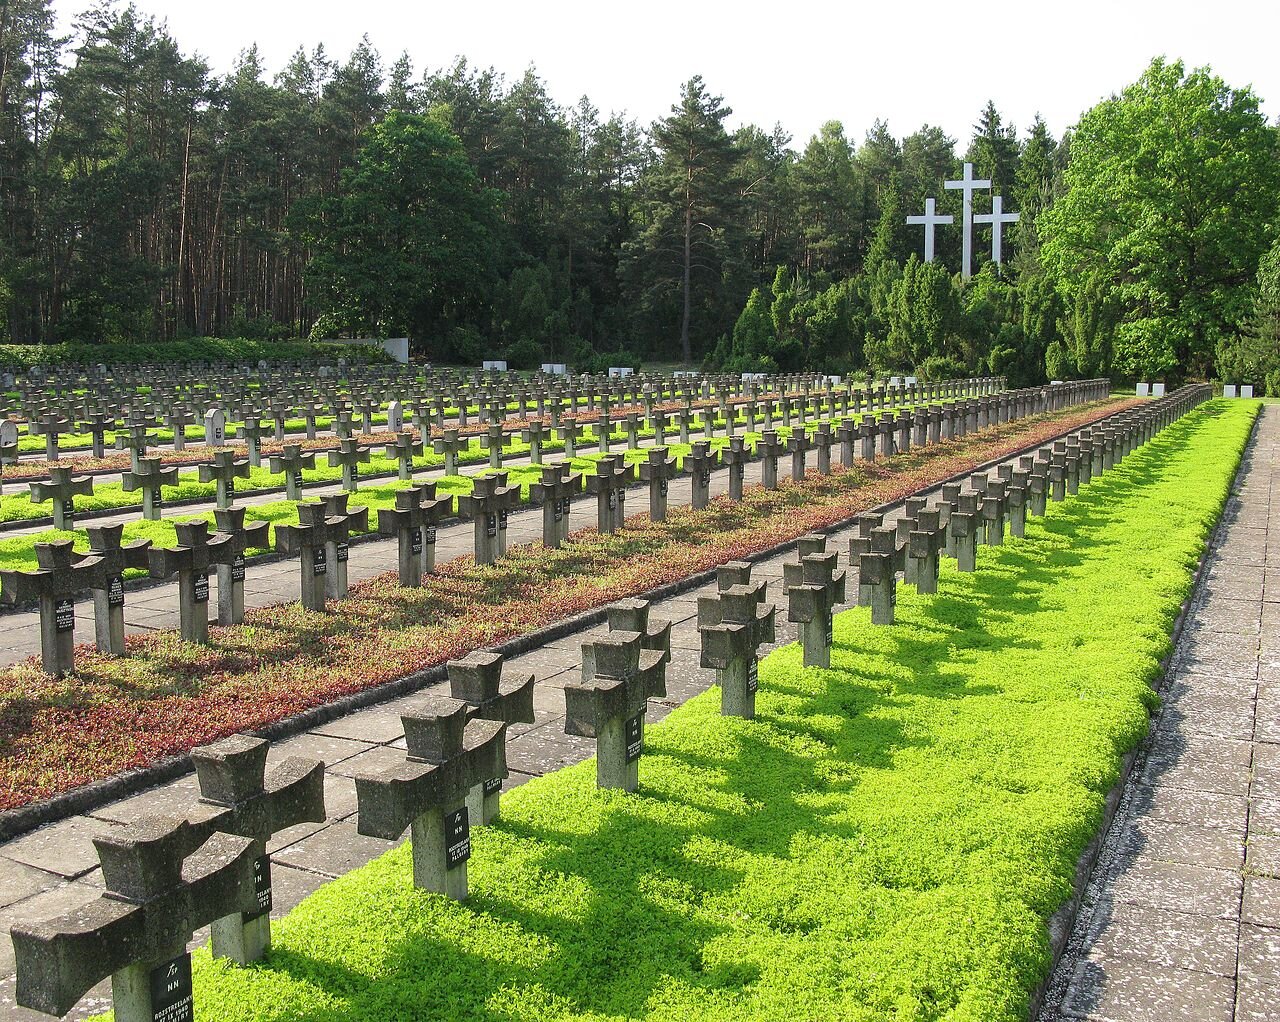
(885, 841)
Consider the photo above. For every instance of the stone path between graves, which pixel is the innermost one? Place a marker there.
(1181, 919)
(54, 869)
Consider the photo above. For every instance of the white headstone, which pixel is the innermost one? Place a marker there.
(1055, 383)
(8, 432)
(911, 381)
(834, 380)
(1246, 390)
(1144, 389)
(215, 427)
(1157, 390)
(395, 417)
(554, 368)
(494, 365)
(895, 381)
(1228, 390)
(620, 371)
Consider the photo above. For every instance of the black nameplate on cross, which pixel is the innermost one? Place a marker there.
(635, 743)
(238, 569)
(261, 886)
(344, 551)
(415, 541)
(201, 594)
(321, 563)
(64, 615)
(491, 525)
(115, 592)
(492, 786)
(753, 675)
(171, 999)
(457, 838)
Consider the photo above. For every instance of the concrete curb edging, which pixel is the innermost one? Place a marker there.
(14, 822)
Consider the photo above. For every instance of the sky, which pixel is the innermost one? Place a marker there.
(797, 64)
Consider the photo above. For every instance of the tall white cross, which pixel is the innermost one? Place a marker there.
(968, 185)
(930, 219)
(997, 218)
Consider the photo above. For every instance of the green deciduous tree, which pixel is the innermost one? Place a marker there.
(410, 242)
(1172, 190)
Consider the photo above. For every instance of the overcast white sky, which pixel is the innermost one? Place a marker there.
(796, 63)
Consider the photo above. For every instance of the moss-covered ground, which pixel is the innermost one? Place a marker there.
(885, 841)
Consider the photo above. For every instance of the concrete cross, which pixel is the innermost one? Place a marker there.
(107, 582)
(450, 444)
(149, 476)
(191, 560)
(223, 470)
(609, 484)
(769, 449)
(97, 426)
(997, 218)
(814, 587)
(349, 456)
(404, 448)
(161, 885)
(478, 679)
(619, 676)
(308, 539)
(735, 456)
(240, 537)
(733, 623)
(291, 461)
(698, 463)
(554, 492)
(340, 525)
(658, 471)
(449, 753)
(967, 185)
(632, 615)
(60, 575)
(930, 220)
(571, 432)
(487, 505)
(62, 489)
(405, 522)
(535, 435)
(237, 797)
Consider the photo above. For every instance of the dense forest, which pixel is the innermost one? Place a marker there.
(146, 198)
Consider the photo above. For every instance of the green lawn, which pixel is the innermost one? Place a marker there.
(885, 841)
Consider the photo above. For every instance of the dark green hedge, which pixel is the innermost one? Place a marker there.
(207, 349)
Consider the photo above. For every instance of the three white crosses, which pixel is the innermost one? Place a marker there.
(997, 218)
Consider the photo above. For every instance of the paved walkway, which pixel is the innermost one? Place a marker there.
(1182, 917)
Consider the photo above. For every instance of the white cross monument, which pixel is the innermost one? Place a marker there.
(968, 185)
(997, 218)
(930, 219)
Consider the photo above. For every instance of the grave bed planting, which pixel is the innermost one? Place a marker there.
(167, 696)
(887, 839)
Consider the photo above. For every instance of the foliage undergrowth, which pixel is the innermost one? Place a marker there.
(885, 841)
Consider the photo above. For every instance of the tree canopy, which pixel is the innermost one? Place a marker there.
(145, 197)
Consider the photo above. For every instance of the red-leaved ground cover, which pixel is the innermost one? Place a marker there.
(167, 696)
